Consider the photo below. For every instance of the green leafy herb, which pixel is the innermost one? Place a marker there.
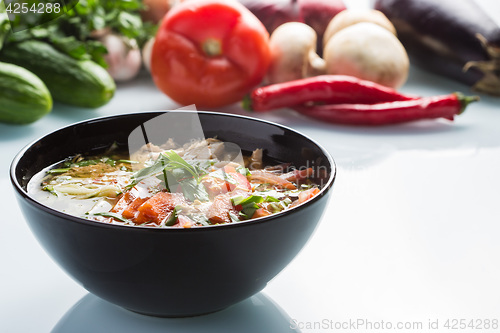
(249, 204)
(50, 189)
(4, 24)
(194, 190)
(221, 174)
(172, 219)
(127, 161)
(74, 32)
(113, 215)
(271, 199)
(177, 163)
(175, 171)
(276, 207)
(60, 170)
(239, 200)
(244, 171)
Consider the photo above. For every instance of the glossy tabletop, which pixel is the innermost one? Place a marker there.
(408, 243)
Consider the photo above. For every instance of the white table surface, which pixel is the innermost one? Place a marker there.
(410, 236)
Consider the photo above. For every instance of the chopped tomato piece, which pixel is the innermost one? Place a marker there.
(220, 209)
(242, 182)
(158, 208)
(305, 195)
(132, 209)
(124, 201)
(216, 185)
(263, 176)
(260, 213)
(308, 194)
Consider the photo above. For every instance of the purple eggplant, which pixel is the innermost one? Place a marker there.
(273, 13)
(454, 38)
(315, 13)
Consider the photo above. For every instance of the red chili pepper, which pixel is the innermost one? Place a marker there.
(329, 89)
(445, 106)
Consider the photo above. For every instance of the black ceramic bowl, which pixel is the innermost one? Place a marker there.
(172, 272)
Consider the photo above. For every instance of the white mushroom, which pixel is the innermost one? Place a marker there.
(350, 17)
(293, 53)
(370, 52)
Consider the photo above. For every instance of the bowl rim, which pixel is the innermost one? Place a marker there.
(24, 193)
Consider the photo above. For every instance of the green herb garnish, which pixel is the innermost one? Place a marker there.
(172, 219)
(175, 171)
(59, 170)
(248, 205)
(113, 215)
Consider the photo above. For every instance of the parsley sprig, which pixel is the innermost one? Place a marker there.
(73, 32)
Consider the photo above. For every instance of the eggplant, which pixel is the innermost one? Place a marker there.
(453, 38)
(315, 13)
(273, 13)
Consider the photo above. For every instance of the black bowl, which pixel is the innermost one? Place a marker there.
(172, 272)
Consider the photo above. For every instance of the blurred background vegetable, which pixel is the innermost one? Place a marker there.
(297, 59)
(146, 52)
(209, 53)
(79, 82)
(24, 98)
(123, 57)
(322, 89)
(445, 106)
(154, 10)
(4, 26)
(78, 55)
(315, 13)
(357, 43)
(456, 39)
(367, 51)
(352, 16)
(76, 33)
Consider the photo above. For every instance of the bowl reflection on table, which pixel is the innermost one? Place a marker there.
(172, 272)
(256, 314)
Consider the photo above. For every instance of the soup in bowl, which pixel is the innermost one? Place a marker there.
(173, 228)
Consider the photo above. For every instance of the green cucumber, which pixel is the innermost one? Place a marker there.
(24, 98)
(76, 82)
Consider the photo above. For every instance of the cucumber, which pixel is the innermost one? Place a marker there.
(76, 82)
(24, 98)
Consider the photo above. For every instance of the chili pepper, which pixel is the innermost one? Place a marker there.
(329, 89)
(445, 106)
